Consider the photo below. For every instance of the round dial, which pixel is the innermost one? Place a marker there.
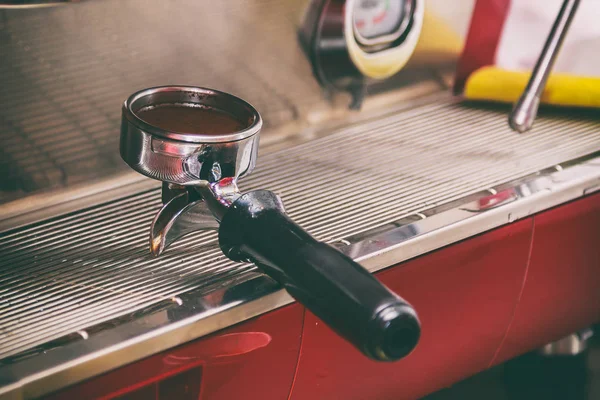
(379, 21)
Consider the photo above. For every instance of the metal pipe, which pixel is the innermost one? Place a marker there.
(523, 114)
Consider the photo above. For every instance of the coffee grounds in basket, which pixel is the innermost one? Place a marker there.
(184, 118)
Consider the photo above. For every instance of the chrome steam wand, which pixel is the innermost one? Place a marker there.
(525, 110)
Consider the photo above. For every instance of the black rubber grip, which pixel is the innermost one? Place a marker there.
(330, 284)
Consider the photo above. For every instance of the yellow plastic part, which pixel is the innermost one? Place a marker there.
(495, 84)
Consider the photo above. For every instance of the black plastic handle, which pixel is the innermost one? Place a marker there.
(330, 284)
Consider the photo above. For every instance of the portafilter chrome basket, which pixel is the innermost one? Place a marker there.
(200, 173)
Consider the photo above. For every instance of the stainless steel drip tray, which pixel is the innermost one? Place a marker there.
(80, 293)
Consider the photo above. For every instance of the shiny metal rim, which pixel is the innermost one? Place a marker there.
(252, 129)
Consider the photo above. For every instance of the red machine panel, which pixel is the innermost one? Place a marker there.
(253, 360)
(465, 295)
(562, 290)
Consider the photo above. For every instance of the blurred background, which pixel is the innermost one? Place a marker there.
(66, 69)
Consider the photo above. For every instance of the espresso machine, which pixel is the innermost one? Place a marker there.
(388, 236)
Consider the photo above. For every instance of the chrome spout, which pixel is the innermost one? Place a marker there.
(525, 110)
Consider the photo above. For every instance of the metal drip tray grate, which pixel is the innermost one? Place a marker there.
(91, 266)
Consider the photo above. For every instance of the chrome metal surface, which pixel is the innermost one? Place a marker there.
(391, 188)
(181, 157)
(179, 216)
(211, 164)
(219, 195)
(522, 116)
(198, 208)
(571, 345)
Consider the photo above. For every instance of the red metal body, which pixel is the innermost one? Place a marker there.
(562, 290)
(256, 359)
(481, 302)
(465, 295)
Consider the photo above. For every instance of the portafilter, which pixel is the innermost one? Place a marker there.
(198, 142)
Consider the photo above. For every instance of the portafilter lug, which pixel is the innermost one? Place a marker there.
(200, 166)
